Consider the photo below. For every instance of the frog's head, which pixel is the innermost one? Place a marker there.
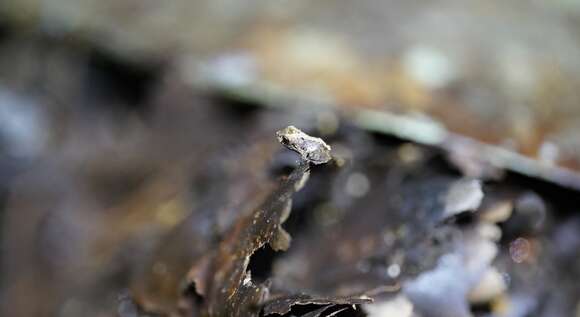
(285, 135)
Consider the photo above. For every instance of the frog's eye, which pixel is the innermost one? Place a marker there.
(285, 140)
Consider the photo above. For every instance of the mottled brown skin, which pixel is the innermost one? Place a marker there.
(311, 149)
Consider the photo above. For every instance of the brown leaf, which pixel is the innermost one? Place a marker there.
(227, 286)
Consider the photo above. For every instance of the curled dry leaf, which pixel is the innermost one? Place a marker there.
(222, 277)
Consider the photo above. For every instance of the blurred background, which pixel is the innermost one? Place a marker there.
(133, 131)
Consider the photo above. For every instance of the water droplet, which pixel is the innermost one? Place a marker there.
(394, 270)
(520, 250)
(357, 185)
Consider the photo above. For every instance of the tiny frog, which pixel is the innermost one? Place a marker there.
(311, 149)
